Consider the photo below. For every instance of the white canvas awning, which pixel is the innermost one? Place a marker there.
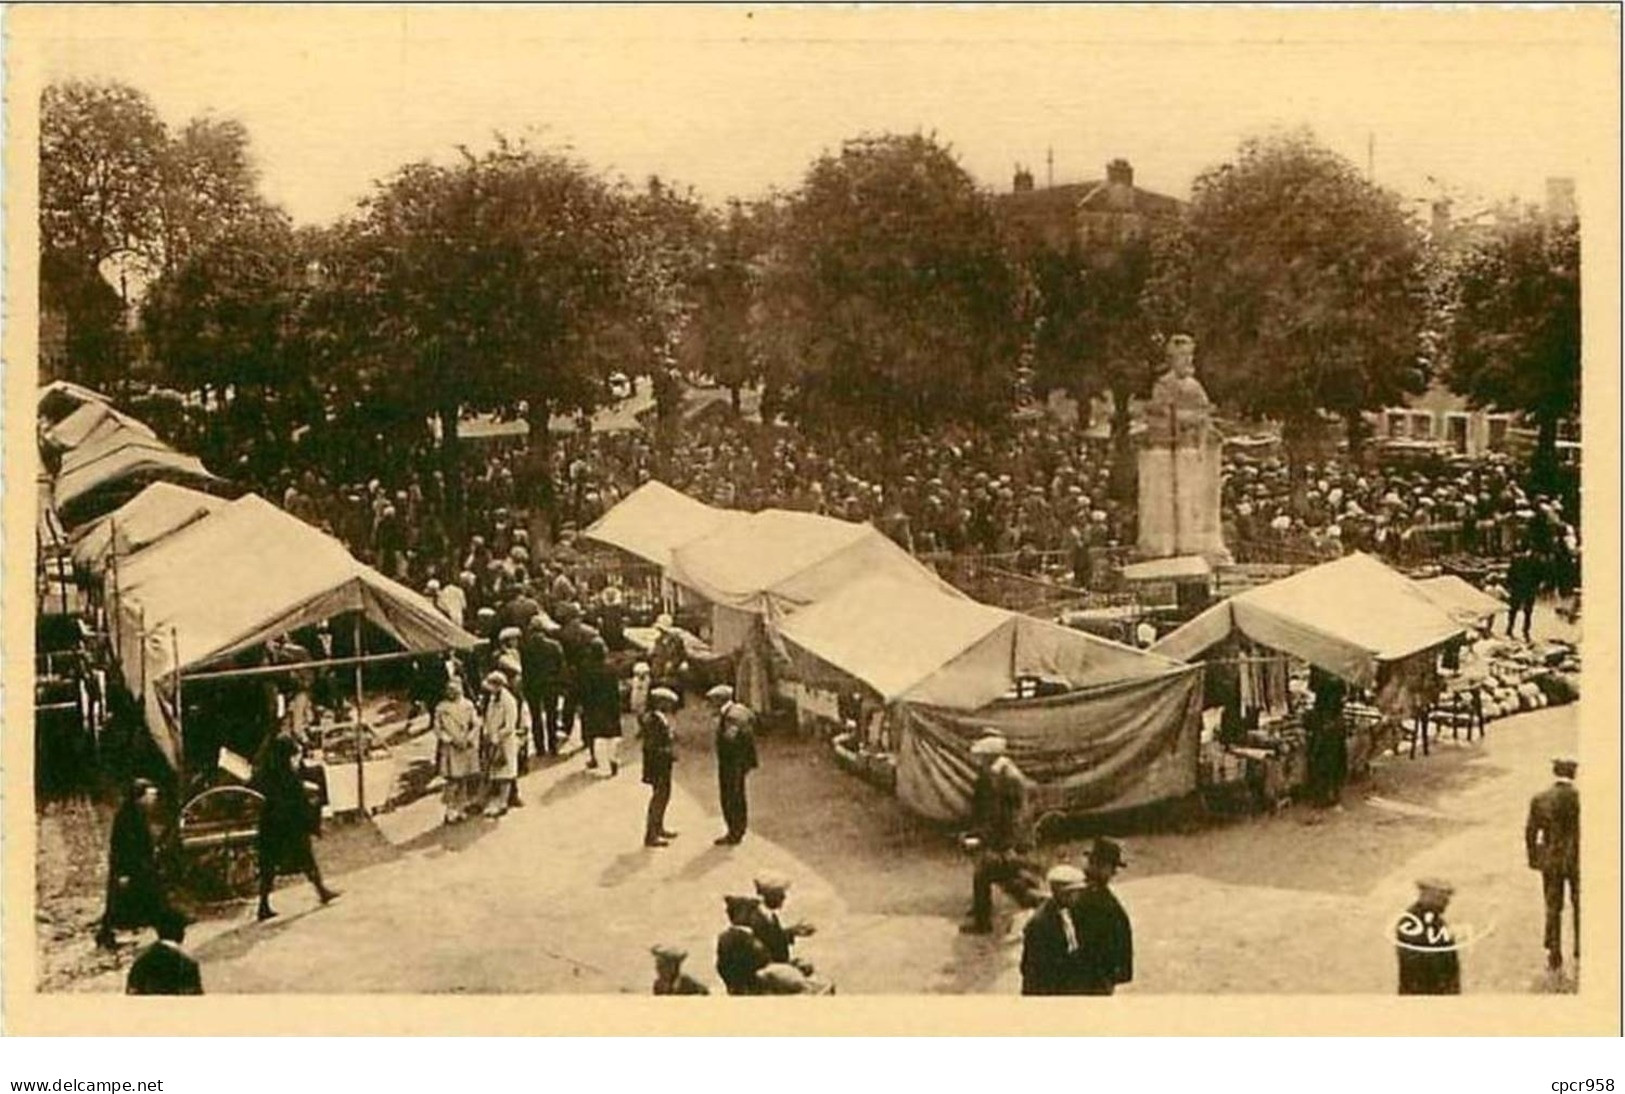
(1346, 617)
(912, 643)
(654, 519)
(1466, 604)
(91, 421)
(160, 510)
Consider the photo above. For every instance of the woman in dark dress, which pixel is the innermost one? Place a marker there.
(287, 819)
(600, 707)
(135, 894)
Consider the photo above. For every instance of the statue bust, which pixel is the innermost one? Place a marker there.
(1179, 408)
(1179, 386)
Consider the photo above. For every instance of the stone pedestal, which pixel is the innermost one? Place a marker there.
(1179, 501)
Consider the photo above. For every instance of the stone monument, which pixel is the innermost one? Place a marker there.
(1179, 463)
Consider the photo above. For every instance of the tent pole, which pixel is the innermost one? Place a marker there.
(180, 707)
(360, 730)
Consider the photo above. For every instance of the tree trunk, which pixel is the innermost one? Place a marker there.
(1543, 476)
(451, 466)
(1358, 431)
(733, 393)
(540, 495)
(1122, 482)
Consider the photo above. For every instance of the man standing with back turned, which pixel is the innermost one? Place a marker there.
(1552, 838)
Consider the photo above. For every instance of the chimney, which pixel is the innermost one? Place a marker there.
(1023, 182)
(1119, 173)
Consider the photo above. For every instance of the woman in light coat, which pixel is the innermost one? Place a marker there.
(457, 731)
(499, 743)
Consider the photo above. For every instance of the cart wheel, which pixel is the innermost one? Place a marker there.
(1047, 824)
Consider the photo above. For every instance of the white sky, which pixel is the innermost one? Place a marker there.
(734, 101)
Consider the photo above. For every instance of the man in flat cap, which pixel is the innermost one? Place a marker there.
(1428, 961)
(1050, 961)
(659, 754)
(771, 930)
(998, 833)
(1552, 839)
(1105, 936)
(736, 759)
(670, 979)
(740, 954)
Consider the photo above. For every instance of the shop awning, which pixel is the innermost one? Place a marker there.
(61, 398)
(1183, 568)
(90, 421)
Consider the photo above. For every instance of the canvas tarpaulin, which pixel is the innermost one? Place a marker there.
(77, 495)
(158, 511)
(654, 519)
(249, 572)
(1106, 749)
(1347, 617)
(773, 562)
(60, 398)
(1466, 604)
(91, 421)
(909, 641)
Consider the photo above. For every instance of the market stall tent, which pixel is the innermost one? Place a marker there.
(61, 398)
(98, 488)
(106, 444)
(229, 583)
(1123, 731)
(654, 520)
(1350, 618)
(160, 510)
(1466, 604)
(91, 421)
(769, 564)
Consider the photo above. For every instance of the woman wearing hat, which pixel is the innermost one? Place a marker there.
(600, 694)
(135, 893)
(499, 743)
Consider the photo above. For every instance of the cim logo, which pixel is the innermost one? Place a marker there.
(1426, 933)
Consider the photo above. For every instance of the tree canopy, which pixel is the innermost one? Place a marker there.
(889, 291)
(1301, 284)
(1515, 332)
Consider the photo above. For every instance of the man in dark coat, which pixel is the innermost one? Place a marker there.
(998, 834)
(520, 610)
(768, 923)
(1552, 839)
(1524, 575)
(163, 968)
(1105, 936)
(1050, 961)
(574, 636)
(740, 954)
(135, 892)
(1428, 961)
(542, 669)
(736, 759)
(659, 754)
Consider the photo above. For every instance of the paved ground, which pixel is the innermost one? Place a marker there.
(561, 897)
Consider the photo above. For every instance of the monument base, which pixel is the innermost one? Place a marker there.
(1179, 503)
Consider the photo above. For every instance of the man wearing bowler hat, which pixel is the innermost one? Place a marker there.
(1428, 961)
(1552, 839)
(1105, 936)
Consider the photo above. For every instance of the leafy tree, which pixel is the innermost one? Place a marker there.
(505, 282)
(890, 295)
(210, 186)
(101, 160)
(719, 337)
(1301, 284)
(1515, 335)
